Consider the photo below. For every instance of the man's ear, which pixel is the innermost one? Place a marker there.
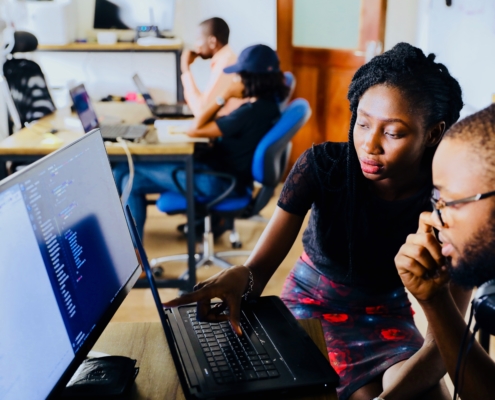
(435, 134)
(212, 42)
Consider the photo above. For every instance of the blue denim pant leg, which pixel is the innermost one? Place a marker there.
(157, 178)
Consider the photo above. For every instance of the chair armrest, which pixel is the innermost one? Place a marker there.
(216, 200)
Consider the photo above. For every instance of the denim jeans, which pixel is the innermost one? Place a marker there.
(157, 178)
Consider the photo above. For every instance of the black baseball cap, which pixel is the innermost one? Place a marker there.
(257, 59)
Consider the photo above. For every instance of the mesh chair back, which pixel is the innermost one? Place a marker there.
(28, 89)
(267, 167)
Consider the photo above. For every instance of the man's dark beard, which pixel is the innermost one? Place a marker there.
(477, 263)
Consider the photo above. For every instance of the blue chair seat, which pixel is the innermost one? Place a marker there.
(175, 203)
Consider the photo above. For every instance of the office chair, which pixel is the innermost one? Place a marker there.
(269, 164)
(290, 81)
(27, 86)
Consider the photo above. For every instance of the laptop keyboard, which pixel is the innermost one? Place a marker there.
(233, 358)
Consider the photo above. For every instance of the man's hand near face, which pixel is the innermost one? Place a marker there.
(421, 267)
(186, 59)
(420, 263)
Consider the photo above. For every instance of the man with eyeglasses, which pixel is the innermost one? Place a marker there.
(457, 243)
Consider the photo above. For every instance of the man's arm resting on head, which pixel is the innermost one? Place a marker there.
(448, 326)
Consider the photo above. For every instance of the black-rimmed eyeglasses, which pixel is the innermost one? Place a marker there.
(439, 204)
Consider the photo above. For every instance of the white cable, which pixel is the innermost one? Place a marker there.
(128, 187)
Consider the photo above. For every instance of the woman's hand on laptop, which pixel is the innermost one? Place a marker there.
(229, 285)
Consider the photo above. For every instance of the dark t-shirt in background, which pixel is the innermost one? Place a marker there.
(242, 130)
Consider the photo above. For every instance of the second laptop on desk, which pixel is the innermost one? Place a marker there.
(162, 110)
(89, 119)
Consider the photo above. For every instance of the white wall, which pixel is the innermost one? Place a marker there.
(251, 22)
(463, 38)
(401, 23)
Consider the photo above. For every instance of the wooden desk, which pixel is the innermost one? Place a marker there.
(157, 377)
(119, 46)
(30, 144)
(175, 48)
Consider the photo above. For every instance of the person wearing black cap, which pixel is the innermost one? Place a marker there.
(234, 136)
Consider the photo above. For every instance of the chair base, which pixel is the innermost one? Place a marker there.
(209, 256)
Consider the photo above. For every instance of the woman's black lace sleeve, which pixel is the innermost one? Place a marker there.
(300, 187)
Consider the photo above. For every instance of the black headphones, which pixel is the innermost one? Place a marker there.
(484, 307)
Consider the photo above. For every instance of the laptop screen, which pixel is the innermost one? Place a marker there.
(67, 261)
(84, 108)
(144, 91)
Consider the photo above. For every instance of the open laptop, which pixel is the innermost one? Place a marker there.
(89, 119)
(67, 263)
(162, 110)
(273, 356)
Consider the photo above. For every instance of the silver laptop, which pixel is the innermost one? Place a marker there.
(89, 119)
(162, 110)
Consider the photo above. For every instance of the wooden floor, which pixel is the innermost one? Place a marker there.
(162, 238)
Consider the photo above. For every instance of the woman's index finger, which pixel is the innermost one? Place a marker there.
(426, 223)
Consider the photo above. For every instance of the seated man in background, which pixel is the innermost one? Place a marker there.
(211, 43)
(235, 136)
(464, 165)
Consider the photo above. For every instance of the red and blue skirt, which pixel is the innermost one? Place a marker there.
(365, 335)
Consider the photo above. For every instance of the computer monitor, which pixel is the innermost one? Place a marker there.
(67, 261)
(84, 108)
(129, 14)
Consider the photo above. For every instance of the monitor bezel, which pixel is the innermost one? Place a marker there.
(114, 306)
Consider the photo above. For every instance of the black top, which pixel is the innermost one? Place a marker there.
(384, 225)
(242, 130)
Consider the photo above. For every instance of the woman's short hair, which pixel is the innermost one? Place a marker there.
(268, 86)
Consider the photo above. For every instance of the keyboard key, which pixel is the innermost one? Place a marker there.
(272, 373)
(219, 359)
(208, 354)
(266, 362)
(256, 363)
(221, 363)
(253, 358)
(217, 375)
(214, 348)
(216, 353)
(240, 377)
(262, 375)
(270, 366)
(264, 356)
(259, 368)
(219, 380)
(223, 368)
(250, 375)
(215, 369)
(210, 359)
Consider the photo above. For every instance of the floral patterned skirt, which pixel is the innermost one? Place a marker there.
(365, 335)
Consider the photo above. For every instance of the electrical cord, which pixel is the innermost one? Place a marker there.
(128, 187)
